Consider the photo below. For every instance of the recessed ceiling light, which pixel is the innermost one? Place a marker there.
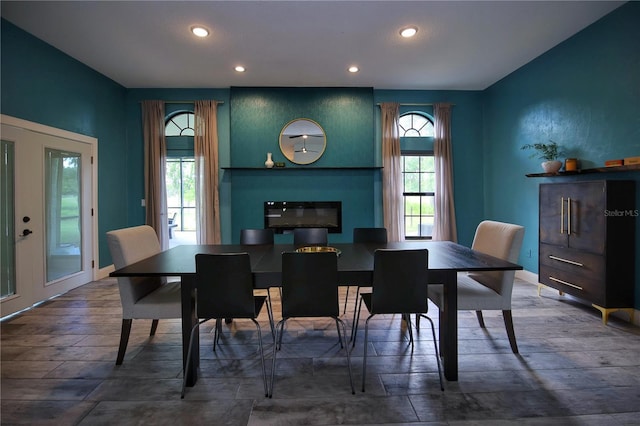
(199, 31)
(408, 32)
(240, 68)
(354, 69)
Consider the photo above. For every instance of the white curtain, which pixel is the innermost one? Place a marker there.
(206, 161)
(445, 214)
(392, 199)
(155, 153)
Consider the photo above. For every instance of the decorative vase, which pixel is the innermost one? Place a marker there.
(551, 166)
(269, 163)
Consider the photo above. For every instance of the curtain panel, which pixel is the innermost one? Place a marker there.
(392, 199)
(155, 154)
(444, 215)
(206, 164)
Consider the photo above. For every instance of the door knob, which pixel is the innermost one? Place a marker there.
(26, 232)
(26, 219)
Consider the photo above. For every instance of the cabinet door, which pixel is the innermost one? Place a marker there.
(553, 215)
(585, 216)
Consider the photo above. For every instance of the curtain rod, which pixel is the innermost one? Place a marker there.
(416, 104)
(187, 101)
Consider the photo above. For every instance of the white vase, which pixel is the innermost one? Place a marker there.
(551, 166)
(269, 163)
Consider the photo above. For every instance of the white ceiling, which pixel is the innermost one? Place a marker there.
(462, 45)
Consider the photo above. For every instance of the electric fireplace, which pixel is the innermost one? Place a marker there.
(284, 216)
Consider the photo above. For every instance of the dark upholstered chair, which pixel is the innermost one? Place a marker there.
(399, 287)
(309, 289)
(224, 289)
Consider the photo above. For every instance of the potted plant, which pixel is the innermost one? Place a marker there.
(548, 152)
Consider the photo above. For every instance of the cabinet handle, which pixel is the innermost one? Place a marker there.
(569, 216)
(565, 283)
(559, 259)
(562, 215)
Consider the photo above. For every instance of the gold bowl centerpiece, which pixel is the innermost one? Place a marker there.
(317, 249)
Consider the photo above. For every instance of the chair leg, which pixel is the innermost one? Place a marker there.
(354, 326)
(364, 356)
(264, 371)
(340, 334)
(508, 322)
(407, 319)
(346, 299)
(355, 309)
(275, 351)
(480, 319)
(124, 339)
(270, 315)
(154, 327)
(435, 345)
(339, 323)
(217, 333)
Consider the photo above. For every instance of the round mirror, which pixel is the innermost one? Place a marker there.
(302, 141)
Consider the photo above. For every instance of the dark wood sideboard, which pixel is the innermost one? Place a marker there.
(587, 242)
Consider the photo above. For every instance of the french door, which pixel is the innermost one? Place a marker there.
(48, 229)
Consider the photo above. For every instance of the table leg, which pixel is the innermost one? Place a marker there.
(449, 326)
(189, 319)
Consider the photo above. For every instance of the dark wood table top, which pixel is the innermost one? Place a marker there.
(355, 262)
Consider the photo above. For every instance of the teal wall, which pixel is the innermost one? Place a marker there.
(583, 94)
(41, 84)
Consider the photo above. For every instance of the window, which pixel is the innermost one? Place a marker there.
(181, 192)
(415, 125)
(180, 124)
(180, 176)
(418, 175)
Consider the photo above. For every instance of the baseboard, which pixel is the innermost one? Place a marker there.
(532, 278)
(527, 276)
(104, 272)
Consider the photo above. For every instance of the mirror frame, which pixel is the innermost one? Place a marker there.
(297, 128)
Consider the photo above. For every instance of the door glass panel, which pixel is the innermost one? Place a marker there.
(7, 222)
(63, 218)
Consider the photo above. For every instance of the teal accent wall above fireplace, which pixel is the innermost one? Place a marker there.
(258, 115)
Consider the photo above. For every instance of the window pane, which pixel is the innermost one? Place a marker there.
(188, 183)
(189, 219)
(63, 220)
(415, 125)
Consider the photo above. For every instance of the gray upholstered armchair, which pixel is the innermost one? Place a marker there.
(489, 290)
(141, 297)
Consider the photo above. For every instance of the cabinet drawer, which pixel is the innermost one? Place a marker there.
(580, 286)
(587, 265)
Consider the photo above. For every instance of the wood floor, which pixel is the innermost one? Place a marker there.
(58, 368)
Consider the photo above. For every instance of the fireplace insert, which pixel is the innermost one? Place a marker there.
(284, 216)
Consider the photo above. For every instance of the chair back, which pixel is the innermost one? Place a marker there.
(310, 237)
(399, 281)
(309, 284)
(501, 240)
(128, 246)
(224, 286)
(370, 235)
(256, 236)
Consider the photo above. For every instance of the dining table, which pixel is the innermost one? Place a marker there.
(355, 268)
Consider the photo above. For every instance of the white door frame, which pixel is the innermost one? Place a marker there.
(93, 147)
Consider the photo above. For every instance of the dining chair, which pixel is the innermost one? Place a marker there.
(399, 287)
(310, 237)
(254, 237)
(489, 290)
(309, 289)
(141, 297)
(259, 236)
(224, 289)
(364, 235)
